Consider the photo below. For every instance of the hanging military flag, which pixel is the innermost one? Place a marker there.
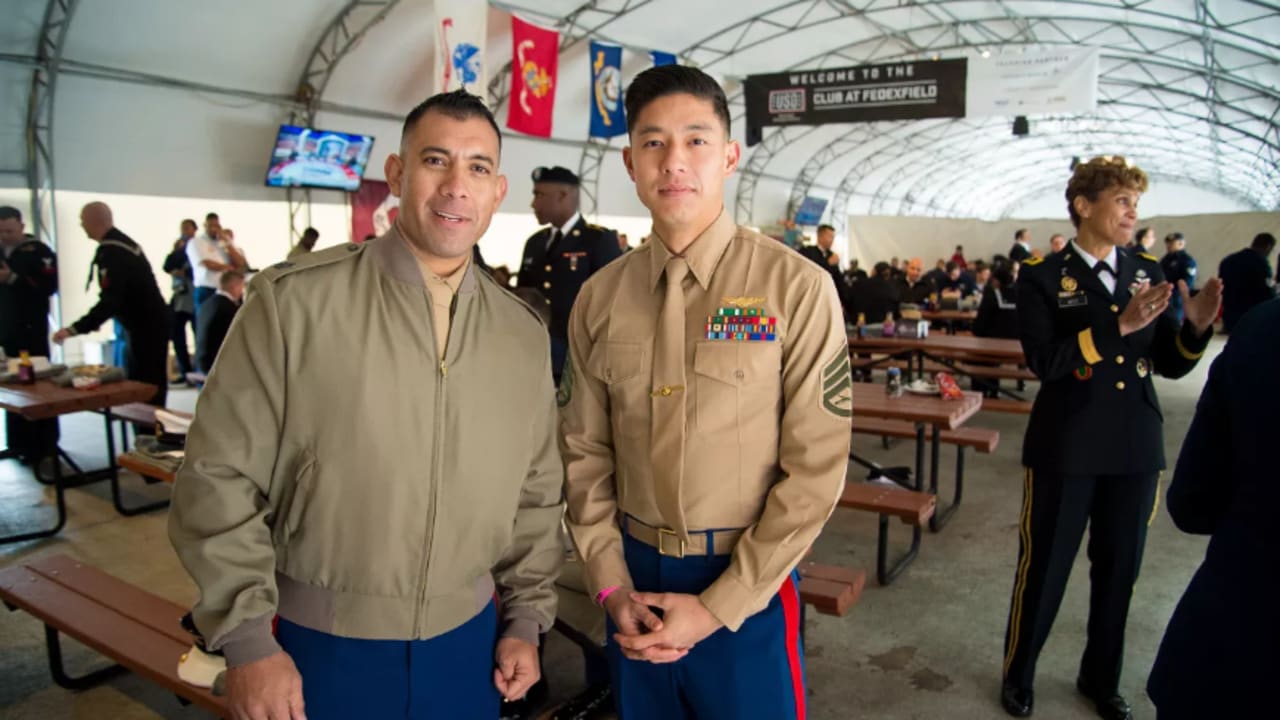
(535, 54)
(460, 34)
(662, 58)
(607, 116)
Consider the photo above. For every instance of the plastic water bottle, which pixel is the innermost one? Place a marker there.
(893, 388)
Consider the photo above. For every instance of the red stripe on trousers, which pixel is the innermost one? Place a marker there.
(791, 615)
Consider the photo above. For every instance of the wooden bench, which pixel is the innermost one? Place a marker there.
(830, 589)
(979, 439)
(146, 470)
(136, 413)
(911, 507)
(138, 630)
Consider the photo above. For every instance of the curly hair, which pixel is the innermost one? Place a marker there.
(1101, 173)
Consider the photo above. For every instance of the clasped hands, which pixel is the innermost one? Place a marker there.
(642, 635)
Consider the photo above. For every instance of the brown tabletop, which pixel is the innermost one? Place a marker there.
(46, 400)
(870, 400)
(996, 349)
(950, 315)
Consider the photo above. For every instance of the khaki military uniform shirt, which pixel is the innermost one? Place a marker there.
(768, 420)
(442, 292)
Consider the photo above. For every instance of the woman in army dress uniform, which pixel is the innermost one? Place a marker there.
(1092, 325)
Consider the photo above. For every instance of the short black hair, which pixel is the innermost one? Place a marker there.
(1020, 234)
(1173, 237)
(1264, 241)
(9, 212)
(663, 80)
(826, 227)
(311, 232)
(211, 216)
(456, 104)
(189, 221)
(952, 265)
(1142, 232)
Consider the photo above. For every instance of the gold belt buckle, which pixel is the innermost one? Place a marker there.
(663, 534)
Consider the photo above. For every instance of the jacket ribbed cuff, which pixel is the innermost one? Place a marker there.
(522, 629)
(249, 642)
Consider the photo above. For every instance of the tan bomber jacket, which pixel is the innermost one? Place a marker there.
(341, 475)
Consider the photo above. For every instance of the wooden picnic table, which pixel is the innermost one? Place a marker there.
(944, 349)
(931, 411)
(950, 317)
(45, 400)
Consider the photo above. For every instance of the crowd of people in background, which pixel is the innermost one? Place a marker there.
(986, 285)
(560, 257)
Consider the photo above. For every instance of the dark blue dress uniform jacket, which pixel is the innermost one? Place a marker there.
(1096, 412)
(24, 302)
(1221, 654)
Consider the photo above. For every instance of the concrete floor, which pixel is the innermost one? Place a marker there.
(928, 646)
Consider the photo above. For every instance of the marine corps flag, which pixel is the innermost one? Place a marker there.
(608, 118)
(535, 53)
(460, 34)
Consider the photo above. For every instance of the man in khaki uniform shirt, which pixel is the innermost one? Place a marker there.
(374, 464)
(705, 427)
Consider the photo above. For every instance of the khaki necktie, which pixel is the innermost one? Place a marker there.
(668, 400)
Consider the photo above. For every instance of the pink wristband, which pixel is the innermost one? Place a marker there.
(604, 594)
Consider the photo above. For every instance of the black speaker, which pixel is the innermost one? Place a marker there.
(1020, 126)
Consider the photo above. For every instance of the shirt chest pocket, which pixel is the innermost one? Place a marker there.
(738, 390)
(621, 367)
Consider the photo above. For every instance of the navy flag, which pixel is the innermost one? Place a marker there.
(607, 115)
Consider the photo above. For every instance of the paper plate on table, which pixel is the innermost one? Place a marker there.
(920, 387)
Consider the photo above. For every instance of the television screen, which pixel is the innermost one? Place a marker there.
(810, 211)
(306, 157)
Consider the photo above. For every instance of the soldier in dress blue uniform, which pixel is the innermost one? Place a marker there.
(1177, 264)
(1092, 324)
(559, 258)
(28, 278)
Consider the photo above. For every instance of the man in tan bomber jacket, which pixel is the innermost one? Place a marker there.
(373, 463)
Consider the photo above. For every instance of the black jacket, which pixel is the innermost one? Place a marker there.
(1244, 284)
(1218, 657)
(1096, 412)
(212, 323)
(128, 290)
(873, 298)
(997, 314)
(819, 258)
(917, 293)
(24, 301)
(559, 271)
(1018, 253)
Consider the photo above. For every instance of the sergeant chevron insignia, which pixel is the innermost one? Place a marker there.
(837, 385)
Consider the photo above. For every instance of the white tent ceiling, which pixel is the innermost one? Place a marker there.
(1190, 89)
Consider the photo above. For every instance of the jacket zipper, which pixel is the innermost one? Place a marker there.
(437, 438)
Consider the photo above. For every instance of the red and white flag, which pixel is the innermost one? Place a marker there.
(535, 53)
(460, 34)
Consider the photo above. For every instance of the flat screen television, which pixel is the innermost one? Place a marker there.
(307, 157)
(811, 210)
